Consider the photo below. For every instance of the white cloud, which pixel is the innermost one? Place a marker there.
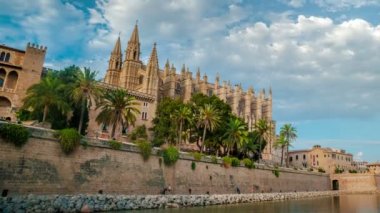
(295, 3)
(335, 5)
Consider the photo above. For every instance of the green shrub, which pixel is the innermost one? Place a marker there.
(310, 169)
(197, 156)
(235, 162)
(145, 148)
(214, 159)
(352, 171)
(115, 144)
(16, 134)
(248, 163)
(170, 155)
(227, 161)
(69, 139)
(321, 170)
(276, 172)
(338, 170)
(157, 142)
(139, 133)
(193, 165)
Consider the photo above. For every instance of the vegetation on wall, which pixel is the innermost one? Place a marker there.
(69, 139)
(226, 161)
(338, 170)
(145, 148)
(13, 133)
(248, 163)
(235, 162)
(321, 170)
(170, 155)
(114, 144)
(276, 172)
(193, 165)
(197, 156)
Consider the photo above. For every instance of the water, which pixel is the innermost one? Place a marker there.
(354, 203)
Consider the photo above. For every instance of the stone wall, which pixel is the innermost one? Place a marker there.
(90, 203)
(40, 167)
(357, 182)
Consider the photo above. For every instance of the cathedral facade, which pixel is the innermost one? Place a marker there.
(149, 84)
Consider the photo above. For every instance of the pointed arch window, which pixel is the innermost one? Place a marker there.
(7, 57)
(2, 56)
(2, 77)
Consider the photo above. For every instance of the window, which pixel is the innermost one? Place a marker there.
(210, 92)
(12, 80)
(291, 159)
(7, 57)
(141, 79)
(296, 157)
(304, 157)
(317, 163)
(325, 156)
(2, 77)
(2, 56)
(144, 116)
(145, 104)
(317, 155)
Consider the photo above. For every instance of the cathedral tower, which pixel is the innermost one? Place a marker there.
(114, 65)
(152, 74)
(129, 78)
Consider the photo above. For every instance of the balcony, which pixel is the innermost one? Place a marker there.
(3, 89)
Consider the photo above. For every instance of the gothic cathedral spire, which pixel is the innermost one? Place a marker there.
(133, 48)
(114, 65)
(152, 73)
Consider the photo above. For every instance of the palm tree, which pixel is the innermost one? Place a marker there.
(83, 90)
(47, 93)
(183, 114)
(261, 129)
(236, 133)
(290, 134)
(209, 119)
(281, 143)
(117, 107)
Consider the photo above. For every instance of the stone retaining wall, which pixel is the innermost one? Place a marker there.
(76, 203)
(40, 167)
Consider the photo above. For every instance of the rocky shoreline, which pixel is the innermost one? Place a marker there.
(103, 202)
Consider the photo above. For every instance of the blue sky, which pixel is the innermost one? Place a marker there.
(321, 57)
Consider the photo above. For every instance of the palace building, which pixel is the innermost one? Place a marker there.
(148, 83)
(19, 69)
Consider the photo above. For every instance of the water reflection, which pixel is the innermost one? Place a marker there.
(354, 203)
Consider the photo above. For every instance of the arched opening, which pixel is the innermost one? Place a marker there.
(335, 185)
(5, 106)
(2, 77)
(7, 57)
(141, 79)
(12, 80)
(2, 56)
(134, 55)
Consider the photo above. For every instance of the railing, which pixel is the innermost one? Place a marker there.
(3, 89)
(138, 95)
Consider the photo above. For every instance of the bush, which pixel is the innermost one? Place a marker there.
(145, 148)
(248, 163)
(276, 172)
(193, 165)
(235, 162)
(170, 155)
(69, 139)
(16, 134)
(321, 170)
(139, 133)
(338, 170)
(197, 156)
(214, 159)
(352, 171)
(115, 144)
(310, 169)
(157, 142)
(227, 161)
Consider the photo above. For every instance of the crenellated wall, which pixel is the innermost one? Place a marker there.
(40, 167)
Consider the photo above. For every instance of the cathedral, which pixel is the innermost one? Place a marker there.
(149, 84)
